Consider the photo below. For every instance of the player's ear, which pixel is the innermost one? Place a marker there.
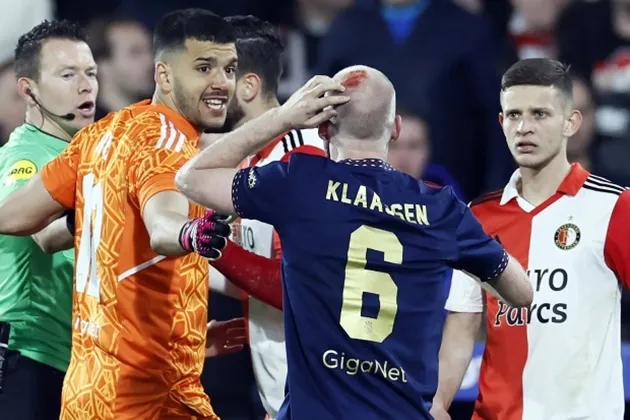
(501, 119)
(397, 128)
(162, 77)
(27, 89)
(249, 86)
(572, 124)
(324, 131)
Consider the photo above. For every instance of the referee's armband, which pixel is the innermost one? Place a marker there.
(69, 220)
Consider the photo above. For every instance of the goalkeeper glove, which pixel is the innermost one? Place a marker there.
(69, 220)
(206, 236)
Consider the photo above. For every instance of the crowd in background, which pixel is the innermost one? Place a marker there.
(445, 58)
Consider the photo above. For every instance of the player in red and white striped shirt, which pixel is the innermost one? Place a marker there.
(255, 264)
(560, 358)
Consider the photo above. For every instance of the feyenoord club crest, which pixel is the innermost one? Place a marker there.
(567, 236)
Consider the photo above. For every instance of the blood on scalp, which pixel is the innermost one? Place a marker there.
(354, 78)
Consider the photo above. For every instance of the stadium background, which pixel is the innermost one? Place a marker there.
(445, 58)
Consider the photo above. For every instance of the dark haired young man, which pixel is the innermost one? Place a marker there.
(559, 358)
(140, 302)
(56, 77)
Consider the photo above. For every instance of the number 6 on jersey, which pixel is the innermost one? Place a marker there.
(359, 280)
(90, 238)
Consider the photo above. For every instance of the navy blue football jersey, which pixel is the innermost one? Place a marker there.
(366, 252)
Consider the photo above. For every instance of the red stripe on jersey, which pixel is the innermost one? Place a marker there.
(307, 150)
(266, 151)
(616, 249)
(500, 377)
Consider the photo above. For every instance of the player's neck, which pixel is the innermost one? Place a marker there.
(537, 185)
(256, 108)
(354, 154)
(36, 118)
(167, 101)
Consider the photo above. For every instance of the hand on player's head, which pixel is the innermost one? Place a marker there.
(314, 103)
(206, 235)
(371, 111)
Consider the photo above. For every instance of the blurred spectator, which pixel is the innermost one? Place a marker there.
(580, 145)
(411, 153)
(473, 6)
(594, 37)
(85, 11)
(12, 106)
(440, 58)
(122, 49)
(498, 13)
(17, 18)
(532, 27)
(313, 19)
(278, 12)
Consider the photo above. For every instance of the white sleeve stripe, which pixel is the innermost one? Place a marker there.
(285, 145)
(180, 142)
(604, 189)
(292, 140)
(310, 137)
(138, 268)
(171, 138)
(603, 184)
(594, 177)
(300, 138)
(296, 138)
(163, 131)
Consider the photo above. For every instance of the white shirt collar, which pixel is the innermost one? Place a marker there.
(570, 185)
(511, 189)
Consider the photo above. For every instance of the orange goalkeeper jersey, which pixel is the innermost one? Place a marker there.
(139, 318)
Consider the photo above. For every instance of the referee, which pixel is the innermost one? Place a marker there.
(57, 79)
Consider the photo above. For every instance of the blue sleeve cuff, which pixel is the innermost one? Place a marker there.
(237, 185)
(499, 269)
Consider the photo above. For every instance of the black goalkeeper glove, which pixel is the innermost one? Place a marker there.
(69, 220)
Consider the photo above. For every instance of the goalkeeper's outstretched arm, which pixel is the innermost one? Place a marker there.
(57, 236)
(28, 209)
